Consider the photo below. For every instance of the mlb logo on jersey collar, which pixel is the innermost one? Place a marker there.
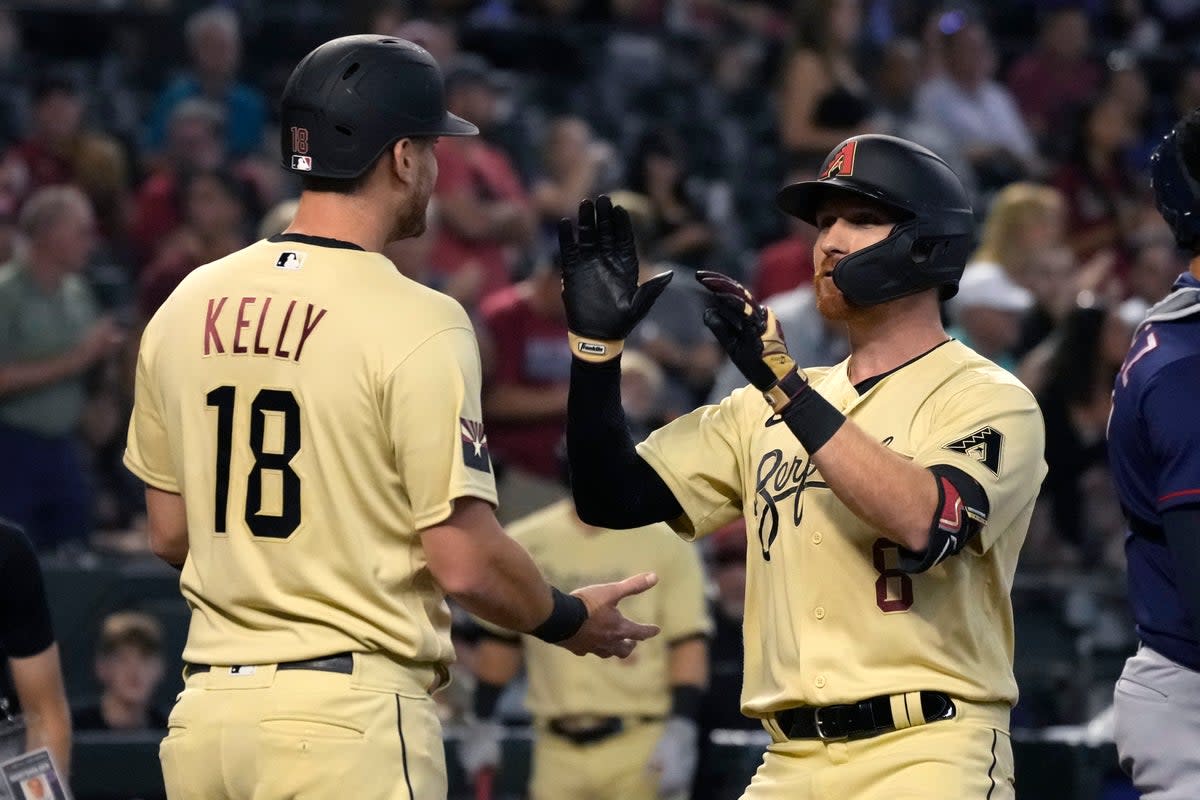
(290, 259)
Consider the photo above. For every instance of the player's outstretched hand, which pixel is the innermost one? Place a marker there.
(607, 632)
(752, 337)
(600, 279)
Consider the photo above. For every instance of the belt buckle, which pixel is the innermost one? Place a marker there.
(820, 725)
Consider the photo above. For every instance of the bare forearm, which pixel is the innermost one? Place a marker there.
(687, 663)
(889, 492)
(508, 589)
(52, 731)
(23, 376)
(511, 403)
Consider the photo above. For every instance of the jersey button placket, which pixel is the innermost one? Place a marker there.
(816, 537)
(819, 612)
(819, 682)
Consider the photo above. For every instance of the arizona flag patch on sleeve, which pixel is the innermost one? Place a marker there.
(474, 445)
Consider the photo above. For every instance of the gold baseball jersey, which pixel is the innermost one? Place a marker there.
(316, 409)
(830, 618)
(572, 555)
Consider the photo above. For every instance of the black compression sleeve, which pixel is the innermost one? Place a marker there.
(613, 486)
(24, 615)
(1182, 528)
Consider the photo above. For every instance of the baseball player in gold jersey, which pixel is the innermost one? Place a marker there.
(605, 730)
(886, 497)
(307, 423)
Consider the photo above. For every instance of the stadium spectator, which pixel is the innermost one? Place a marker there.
(526, 367)
(823, 98)
(978, 113)
(216, 206)
(658, 171)
(787, 264)
(1024, 219)
(129, 667)
(60, 150)
(32, 681)
(669, 334)
(1103, 210)
(1074, 391)
(575, 165)
(483, 208)
(52, 335)
(1058, 74)
(1155, 266)
(896, 85)
(14, 71)
(214, 41)
(1053, 280)
(720, 709)
(641, 392)
(195, 135)
(987, 312)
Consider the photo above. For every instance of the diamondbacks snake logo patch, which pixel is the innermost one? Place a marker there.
(985, 445)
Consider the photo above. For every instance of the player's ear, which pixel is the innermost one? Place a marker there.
(405, 160)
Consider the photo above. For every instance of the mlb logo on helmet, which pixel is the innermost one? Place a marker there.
(302, 163)
(842, 163)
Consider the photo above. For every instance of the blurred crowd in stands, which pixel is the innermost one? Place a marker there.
(139, 140)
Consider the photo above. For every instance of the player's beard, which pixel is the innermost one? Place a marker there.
(831, 303)
(411, 219)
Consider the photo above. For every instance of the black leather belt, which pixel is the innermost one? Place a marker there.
(599, 730)
(860, 720)
(342, 663)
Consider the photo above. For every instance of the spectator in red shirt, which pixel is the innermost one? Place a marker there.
(59, 150)
(1102, 206)
(787, 263)
(195, 144)
(485, 212)
(1058, 75)
(527, 366)
(216, 205)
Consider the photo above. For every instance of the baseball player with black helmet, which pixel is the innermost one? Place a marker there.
(1154, 450)
(307, 423)
(886, 497)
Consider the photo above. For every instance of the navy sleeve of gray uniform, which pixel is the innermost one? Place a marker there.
(24, 615)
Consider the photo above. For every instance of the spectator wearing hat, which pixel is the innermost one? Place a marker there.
(486, 216)
(50, 337)
(129, 667)
(214, 41)
(987, 312)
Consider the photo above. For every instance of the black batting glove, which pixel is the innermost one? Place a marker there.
(600, 280)
(753, 338)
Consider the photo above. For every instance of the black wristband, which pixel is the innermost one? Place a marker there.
(812, 419)
(487, 697)
(686, 700)
(567, 617)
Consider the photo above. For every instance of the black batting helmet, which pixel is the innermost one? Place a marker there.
(931, 241)
(1176, 188)
(352, 98)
